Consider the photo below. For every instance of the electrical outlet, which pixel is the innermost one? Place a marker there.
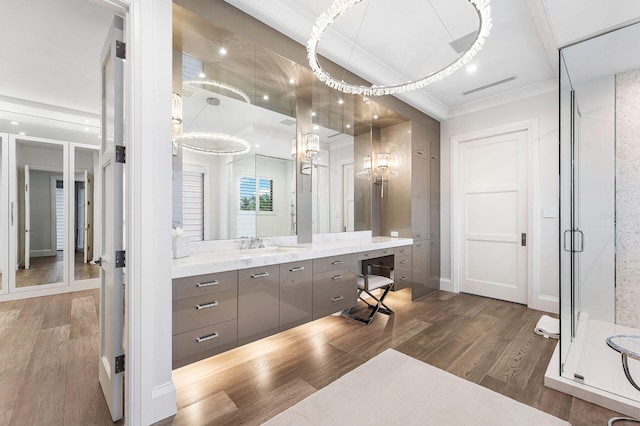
(394, 233)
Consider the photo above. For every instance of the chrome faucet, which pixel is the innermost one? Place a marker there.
(258, 241)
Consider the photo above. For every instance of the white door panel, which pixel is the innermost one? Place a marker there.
(493, 216)
(348, 202)
(111, 210)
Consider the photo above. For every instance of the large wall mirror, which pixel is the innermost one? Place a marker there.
(230, 89)
(40, 213)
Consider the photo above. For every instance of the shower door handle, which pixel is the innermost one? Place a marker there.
(571, 233)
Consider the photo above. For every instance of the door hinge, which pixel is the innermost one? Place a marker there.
(26, 188)
(121, 152)
(121, 49)
(120, 258)
(523, 239)
(119, 364)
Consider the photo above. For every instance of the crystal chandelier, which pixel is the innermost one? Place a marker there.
(219, 85)
(339, 7)
(214, 143)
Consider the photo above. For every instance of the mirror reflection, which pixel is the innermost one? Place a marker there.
(247, 106)
(40, 214)
(86, 163)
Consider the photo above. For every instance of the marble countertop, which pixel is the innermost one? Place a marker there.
(208, 262)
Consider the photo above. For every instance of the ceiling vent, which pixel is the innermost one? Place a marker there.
(334, 135)
(487, 86)
(288, 122)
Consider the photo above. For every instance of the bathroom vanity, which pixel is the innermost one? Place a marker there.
(227, 298)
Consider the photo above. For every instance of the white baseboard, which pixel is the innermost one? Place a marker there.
(164, 401)
(545, 303)
(445, 284)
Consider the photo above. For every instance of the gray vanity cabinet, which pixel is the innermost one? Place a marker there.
(204, 316)
(258, 303)
(296, 293)
(421, 265)
(402, 273)
(334, 284)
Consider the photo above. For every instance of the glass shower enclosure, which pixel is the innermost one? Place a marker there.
(600, 211)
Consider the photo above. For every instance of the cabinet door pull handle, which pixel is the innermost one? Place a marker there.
(296, 269)
(337, 298)
(419, 235)
(404, 279)
(420, 245)
(208, 337)
(433, 243)
(402, 262)
(208, 284)
(260, 275)
(337, 262)
(336, 277)
(403, 250)
(367, 254)
(207, 305)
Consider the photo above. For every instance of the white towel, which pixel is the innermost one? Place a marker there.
(548, 327)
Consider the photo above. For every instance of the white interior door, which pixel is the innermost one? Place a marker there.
(348, 194)
(88, 217)
(111, 371)
(493, 216)
(27, 219)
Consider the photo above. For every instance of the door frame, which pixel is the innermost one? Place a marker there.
(150, 394)
(533, 225)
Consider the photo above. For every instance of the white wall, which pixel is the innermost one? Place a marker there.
(543, 109)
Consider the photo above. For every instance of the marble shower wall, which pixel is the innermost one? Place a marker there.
(628, 198)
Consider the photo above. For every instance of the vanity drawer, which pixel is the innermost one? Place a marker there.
(372, 254)
(404, 250)
(402, 261)
(334, 291)
(334, 262)
(258, 303)
(204, 342)
(296, 294)
(204, 284)
(200, 311)
(401, 278)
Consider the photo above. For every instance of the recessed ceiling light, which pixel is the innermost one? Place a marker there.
(316, 127)
(22, 134)
(15, 123)
(472, 68)
(340, 101)
(313, 113)
(348, 126)
(202, 75)
(265, 97)
(375, 116)
(292, 81)
(222, 51)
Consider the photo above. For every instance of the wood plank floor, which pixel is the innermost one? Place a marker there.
(49, 353)
(49, 361)
(49, 269)
(486, 341)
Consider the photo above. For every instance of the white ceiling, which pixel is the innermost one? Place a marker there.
(51, 49)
